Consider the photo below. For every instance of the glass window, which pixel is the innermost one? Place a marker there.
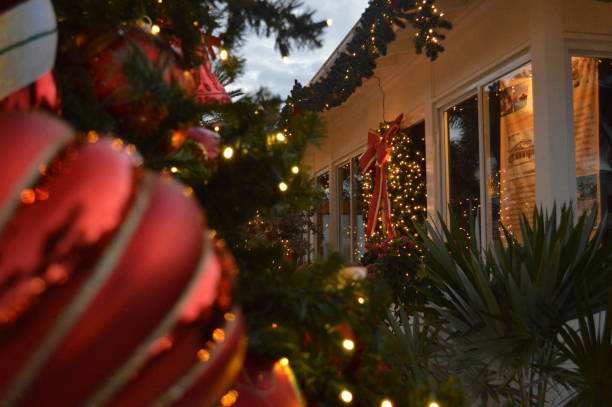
(322, 217)
(352, 231)
(592, 98)
(511, 155)
(357, 211)
(344, 212)
(463, 160)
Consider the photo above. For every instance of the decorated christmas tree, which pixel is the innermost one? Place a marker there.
(115, 127)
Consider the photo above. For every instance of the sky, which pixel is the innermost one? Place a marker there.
(265, 66)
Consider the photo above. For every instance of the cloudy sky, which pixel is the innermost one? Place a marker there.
(265, 66)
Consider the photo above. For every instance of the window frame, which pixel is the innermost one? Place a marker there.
(474, 87)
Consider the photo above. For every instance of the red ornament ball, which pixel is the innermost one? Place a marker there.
(109, 58)
(112, 292)
(264, 384)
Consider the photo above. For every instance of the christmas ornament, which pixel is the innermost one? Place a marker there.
(210, 89)
(40, 94)
(27, 43)
(264, 384)
(377, 154)
(110, 291)
(206, 140)
(109, 57)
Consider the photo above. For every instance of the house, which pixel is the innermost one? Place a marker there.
(517, 111)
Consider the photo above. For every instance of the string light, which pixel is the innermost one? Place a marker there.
(295, 169)
(361, 300)
(284, 362)
(285, 59)
(216, 129)
(346, 396)
(282, 186)
(280, 137)
(228, 152)
(155, 29)
(174, 170)
(433, 404)
(348, 344)
(224, 55)
(386, 403)
(329, 22)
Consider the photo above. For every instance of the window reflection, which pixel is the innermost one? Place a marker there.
(511, 153)
(463, 161)
(592, 97)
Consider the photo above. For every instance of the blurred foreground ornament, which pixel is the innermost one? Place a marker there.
(265, 384)
(27, 43)
(112, 292)
(40, 94)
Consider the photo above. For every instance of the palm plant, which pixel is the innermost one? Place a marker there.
(505, 307)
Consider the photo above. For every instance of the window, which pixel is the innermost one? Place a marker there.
(322, 217)
(592, 98)
(352, 233)
(510, 158)
(463, 160)
(508, 189)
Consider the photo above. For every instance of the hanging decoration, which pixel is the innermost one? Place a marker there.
(27, 43)
(406, 188)
(96, 307)
(376, 156)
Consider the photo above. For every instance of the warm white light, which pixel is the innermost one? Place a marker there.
(386, 403)
(174, 170)
(346, 396)
(280, 137)
(228, 152)
(285, 59)
(433, 404)
(216, 129)
(223, 55)
(295, 169)
(155, 29)
(284, 362)
(329, 22)
(361, 300)
(348, 344)
(282, 186)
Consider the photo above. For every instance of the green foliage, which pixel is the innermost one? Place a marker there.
(313, 309)
(369, 40)
(504, 307)
(398, 263)
(185, 20)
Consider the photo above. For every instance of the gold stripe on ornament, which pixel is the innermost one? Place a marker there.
(31, 177)
(100, 275)
(185, 383)
(142, 352)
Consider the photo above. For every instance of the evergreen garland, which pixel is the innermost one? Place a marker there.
(370, 37)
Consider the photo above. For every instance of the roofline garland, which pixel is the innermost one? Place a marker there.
(372, 34)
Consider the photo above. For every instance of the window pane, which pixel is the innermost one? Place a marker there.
(511, 155)
(344, 210)
(592, 97)
(323, 217)
(357, 210)
(463, 160)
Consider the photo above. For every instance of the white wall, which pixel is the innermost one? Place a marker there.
(489, 38)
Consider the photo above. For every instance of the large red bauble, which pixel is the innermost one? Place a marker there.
(112, 292)
(265, 384)
(108, 55)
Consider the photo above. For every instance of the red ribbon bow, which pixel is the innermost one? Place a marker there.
(378, 152)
